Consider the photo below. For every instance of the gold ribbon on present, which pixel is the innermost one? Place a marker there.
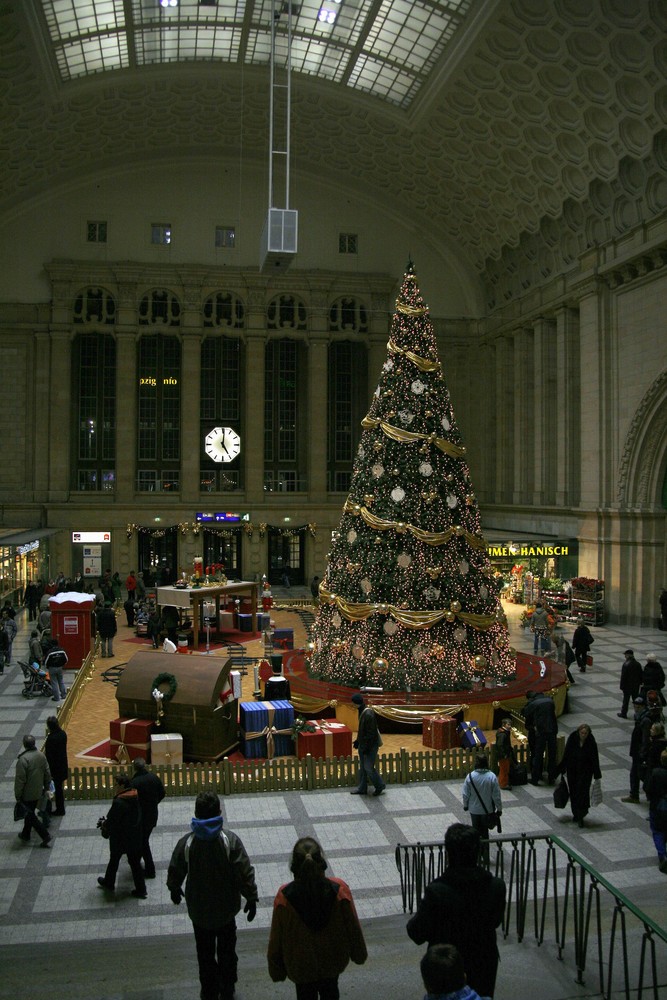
(468, 728)
(270, 732)
(328, 739)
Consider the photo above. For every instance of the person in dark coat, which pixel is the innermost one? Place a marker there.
(638, 746)
(582, 640)
(540, 716)
(31, 600)
(580, 765)
(631, 681)
(463, 907)
(218, 872)
(656, 789)
(55, 751)
(656, 744)
(368, 742)
(107, 627)
(31, 780)
(122, 827)
(151, 793)
(653, 677)
(504, 753)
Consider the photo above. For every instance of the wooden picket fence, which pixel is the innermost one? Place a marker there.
(281, 774)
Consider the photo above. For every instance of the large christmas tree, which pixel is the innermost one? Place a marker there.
(408, 601)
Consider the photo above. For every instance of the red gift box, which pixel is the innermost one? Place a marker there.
(130, 738)
(330, 739)
(439, 732)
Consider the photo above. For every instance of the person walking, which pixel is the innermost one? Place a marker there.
(122, 828)
(580, 765)
(653, 677)
(540, 715)
(443, 913)
(539, 626)
(368, 742)
(504, 753)
(31, 600)
(151, 792)
(107, 627)
(315, 930)
(11, 629)
(4, 647)
(35, 651)
(656, 790)
(631, 681)
(481, 796)
(55, 751)
(582, 640)
(218, 872)
(564, 655)
(55, 663)
(31, 780)
(131, 585)
(638, 744)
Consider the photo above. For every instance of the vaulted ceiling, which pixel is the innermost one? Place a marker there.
(479, 120)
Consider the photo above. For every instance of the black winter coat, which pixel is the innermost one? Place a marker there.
(106, 623)
(463, 907)
(55, 751)
(123, 822)
(151, 793)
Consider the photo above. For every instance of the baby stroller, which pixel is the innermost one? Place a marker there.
(36, 682)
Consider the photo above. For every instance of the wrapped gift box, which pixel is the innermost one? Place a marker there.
(263, 621)
(263, 719)
(167, 748)
(471, 736)
(130, 738)
(245, 623)
(227, 621)
(283, 637)
(235, 681)
(439, 732)
(330, 739)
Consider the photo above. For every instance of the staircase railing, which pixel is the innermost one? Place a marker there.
(555, 895)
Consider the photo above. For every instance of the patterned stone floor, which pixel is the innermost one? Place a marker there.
(52, 896)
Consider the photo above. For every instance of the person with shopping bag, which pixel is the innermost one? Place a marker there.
(581, 765)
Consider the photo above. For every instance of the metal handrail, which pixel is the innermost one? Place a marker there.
(568, 910)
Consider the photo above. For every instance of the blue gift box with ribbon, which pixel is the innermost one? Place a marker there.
(472, 737)
(266, 728)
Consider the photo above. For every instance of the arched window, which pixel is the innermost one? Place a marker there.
(94, 305)
(159, 414)
(347, 315)
(220, 406)
(159, 308)
(94, 404)
(286, 312)
(224, 310)
(348, 400)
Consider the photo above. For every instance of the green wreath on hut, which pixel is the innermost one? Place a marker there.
(165, 678)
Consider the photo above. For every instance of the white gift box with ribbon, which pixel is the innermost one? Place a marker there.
(167, 748)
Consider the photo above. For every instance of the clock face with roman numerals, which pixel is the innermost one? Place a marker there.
(222, 444)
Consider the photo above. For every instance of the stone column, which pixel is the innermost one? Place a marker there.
(591, 422)
(126, 416)
(504, 442)
(566, 408)
(60, 425)
(190, 423)
(317, 418)
(544, 490)
(253, 443)
(522, 378)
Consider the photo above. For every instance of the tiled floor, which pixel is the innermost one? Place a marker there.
(359, 835)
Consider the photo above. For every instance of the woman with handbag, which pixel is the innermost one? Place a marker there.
(581, 764)
(55, 750)
(482, 799)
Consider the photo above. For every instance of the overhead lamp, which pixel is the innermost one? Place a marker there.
(168, 3)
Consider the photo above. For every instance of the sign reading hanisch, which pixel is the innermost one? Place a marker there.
(91, 537)
(220, 517)
(526, 549)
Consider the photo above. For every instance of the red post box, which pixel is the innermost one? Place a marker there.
(72, 625)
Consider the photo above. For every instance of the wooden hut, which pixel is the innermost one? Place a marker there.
(207, 724)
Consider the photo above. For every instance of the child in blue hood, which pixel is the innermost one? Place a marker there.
(217, 872)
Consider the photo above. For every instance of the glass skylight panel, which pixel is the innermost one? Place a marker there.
(92, 55)
(395, 43)
(67, 18)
